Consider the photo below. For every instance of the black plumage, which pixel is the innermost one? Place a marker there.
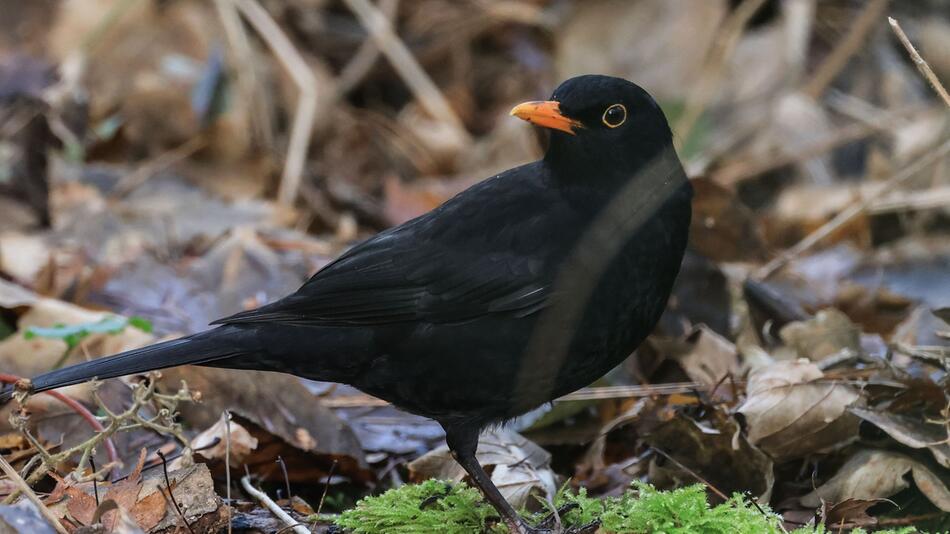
(528, 285)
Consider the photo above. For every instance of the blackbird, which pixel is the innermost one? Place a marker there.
(526, 286)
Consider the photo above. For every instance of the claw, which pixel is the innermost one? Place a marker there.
(551, 524)
(554, 518)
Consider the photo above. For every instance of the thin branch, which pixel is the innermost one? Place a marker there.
(139, 176)
(365, 57)
(922, 65)
(171, 495)
(26, 490)
(584, 394)
(249, 84)
(733, 173)
(852, 211)
(829, 69)
(81, 410)
(722, 48)
(692, 473)
(306, 111)
(226, 415)
(407, 67)
(272, 506)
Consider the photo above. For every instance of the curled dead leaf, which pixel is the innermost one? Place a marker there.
(828, 332)
(915, 433)
(878, 474)
(791, 412)
(214, 442)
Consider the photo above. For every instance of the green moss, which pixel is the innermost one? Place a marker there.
(683, 511)
(433, 506)
(437, 506)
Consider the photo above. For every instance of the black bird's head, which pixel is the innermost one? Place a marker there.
(600, 124)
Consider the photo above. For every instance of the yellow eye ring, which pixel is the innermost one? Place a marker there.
(610, 118)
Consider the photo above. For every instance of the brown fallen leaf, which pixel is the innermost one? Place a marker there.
(915, 433)
(791, 412)
(282, 415)
(240, 442)
(827, 333)
(851, 511)
(125, 492)
(723, 229)
(519, 467)
(878, 474)
(716, 451)
(710, 357)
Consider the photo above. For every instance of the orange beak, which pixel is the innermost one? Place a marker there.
(546, 114)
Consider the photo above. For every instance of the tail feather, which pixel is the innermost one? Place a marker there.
(201, 348)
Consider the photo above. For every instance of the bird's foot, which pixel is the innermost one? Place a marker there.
(551, 524)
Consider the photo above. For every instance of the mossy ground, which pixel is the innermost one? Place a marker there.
(438, 506)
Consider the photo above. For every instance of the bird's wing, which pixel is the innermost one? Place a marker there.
(383, 282)
(482, 252)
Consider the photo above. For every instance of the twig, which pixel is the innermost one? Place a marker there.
(306, 81)
(227, 461)
(75, 406)
(272, 506)
(245, 70)
(163, 423)
(407, 67)
(844, 49)
(139, 176)
(95, 480)
(922, 65)
(326, 487)
(733, 173)
(692, 473)
(171, 495)
(283, 469)
(719, 53)
(585, 394)
(26, 490)
(365, 57)
(852, 211)
(934, 197)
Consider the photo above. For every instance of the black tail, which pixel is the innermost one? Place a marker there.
(205, 347)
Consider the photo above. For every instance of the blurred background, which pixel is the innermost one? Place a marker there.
(182, 160)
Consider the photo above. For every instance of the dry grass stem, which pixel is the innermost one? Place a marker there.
(272, 506)
(306, 109)
(724, 45)
(26, 490)
(922, 65)
(246, 71)
(407, 67)
(853, 210)
(365, 57)
(829, 69)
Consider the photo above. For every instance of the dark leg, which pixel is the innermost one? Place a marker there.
(463, 442)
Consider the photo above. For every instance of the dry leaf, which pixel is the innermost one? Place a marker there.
(852, 511)
(827, 333)
(790, 412)
(721, 456)
(710, 358)
(282, 415)
(914, 433)
(878, 474)
(241, 442)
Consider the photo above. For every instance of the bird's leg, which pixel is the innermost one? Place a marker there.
(463, 442)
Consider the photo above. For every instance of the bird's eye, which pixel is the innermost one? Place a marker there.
(614, 116)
